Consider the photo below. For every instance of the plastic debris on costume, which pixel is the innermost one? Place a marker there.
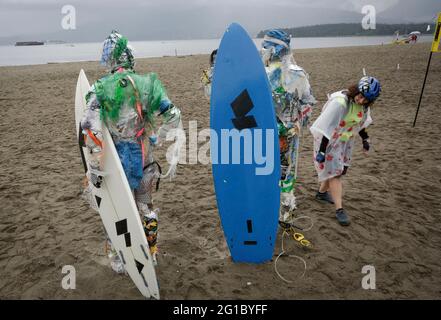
(87, 195)
(117, 52)
(144, 200)
(149, 183)
(128, 103)
(115, 260)
(131, 157)
(207, 75)
(206, 78)
(92, 128)
(150, 224)
(279, 41)
(172, 130)
(293, 101)
(120, 112)
(292, 93)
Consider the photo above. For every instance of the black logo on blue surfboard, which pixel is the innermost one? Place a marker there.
(241, 106)
(250, 230)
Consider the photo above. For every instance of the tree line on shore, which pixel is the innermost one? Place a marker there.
(354, 29)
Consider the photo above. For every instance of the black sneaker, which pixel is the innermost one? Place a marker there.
(342, 217)
(324, 196)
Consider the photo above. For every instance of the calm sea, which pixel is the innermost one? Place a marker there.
(11, 55)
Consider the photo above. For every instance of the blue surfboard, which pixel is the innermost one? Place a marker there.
(244, 149)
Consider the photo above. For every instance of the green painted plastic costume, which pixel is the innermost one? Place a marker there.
(127, 104)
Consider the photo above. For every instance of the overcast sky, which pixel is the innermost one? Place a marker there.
(190, 19)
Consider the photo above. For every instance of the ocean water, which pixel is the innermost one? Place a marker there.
(71, 52)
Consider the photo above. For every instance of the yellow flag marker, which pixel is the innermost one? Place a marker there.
(437, 35)
(435, 48)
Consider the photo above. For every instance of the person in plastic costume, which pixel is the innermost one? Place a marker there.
(345, 113)
(207, 75)
(293, 102)
(127, 103)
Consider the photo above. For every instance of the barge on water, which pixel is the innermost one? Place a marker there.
(29, 43)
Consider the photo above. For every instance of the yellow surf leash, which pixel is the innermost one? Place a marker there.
(297, 236)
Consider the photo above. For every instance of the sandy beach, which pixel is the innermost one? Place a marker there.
(392, 196)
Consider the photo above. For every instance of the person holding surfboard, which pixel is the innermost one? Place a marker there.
(345, 113)
(207, 75)
(127, 104)
(293, 102)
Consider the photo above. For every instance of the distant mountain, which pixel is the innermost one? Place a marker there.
(354, 29)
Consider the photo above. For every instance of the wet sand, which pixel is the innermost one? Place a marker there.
(392, 196)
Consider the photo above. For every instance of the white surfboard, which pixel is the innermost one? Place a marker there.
(117, 206)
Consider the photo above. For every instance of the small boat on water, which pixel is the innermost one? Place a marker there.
(29, 43)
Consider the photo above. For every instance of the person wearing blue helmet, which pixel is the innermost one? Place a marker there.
(276, 44)
(345, 113)
(293, 102)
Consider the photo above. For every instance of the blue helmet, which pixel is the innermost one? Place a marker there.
(369, 87)
(279, 34)
(278, 39)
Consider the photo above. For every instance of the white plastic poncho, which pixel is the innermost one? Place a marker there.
(293, 79)
(206, 79)
(338, 122)
(293, 101)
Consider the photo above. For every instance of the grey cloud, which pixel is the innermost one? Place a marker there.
(184, 19)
